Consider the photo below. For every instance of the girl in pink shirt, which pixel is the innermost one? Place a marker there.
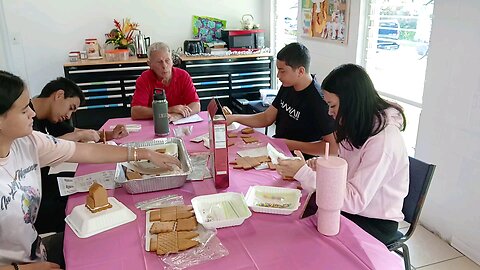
(368, 134)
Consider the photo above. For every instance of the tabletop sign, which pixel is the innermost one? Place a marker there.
(217, 127)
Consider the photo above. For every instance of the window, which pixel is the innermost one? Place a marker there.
(286, 12)
(398, 34)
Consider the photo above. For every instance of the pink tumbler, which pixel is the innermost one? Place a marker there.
(331, 183)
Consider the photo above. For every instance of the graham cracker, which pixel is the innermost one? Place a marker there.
(184, 214)
(250, 140)
(167, 243)
(131, 175)
(188, 224)
(168, 216)
(172, 213)
(155, 215)
(187, 234)
(98, 209)
(245, 136)
(184, 207)
(247, 130)
(153, 243)
(162, 227)
(247, 163)
(232, 135)
(184, 244)
(263, 159)
(175, 235)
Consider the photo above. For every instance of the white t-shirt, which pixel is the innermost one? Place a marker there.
(21, 193)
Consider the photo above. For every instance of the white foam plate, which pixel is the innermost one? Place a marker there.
(273, 195)
(85, 223)
(221, 210)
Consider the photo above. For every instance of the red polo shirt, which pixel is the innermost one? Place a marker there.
(180, 91)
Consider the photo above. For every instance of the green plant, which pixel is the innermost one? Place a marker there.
(122, 35)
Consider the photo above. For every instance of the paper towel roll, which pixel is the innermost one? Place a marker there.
(331, 183)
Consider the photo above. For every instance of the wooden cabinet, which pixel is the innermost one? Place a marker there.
(229, 78)
(108, 88)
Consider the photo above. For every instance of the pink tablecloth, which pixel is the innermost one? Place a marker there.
(262, 242)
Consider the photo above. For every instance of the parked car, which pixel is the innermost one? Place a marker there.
(388, 34)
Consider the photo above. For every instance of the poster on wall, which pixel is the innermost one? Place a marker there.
(326, 19)
(207, 28)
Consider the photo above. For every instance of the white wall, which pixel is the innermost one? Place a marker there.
(325, 55)
(449, 130)
(4, 65)
(47, 30)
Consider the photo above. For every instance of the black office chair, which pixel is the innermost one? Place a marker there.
(421, 175)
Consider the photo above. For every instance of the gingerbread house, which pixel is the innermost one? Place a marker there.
(97, 199)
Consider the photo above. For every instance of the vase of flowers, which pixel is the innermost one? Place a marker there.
(121, 37)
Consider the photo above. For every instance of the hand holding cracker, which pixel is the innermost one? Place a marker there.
(118, 132)
(289, 167)
(226, 110)
(163, 161)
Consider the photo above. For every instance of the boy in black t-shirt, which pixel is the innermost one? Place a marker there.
(54, 107)
(299, 111)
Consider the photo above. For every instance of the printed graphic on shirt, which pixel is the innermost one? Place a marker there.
(29, 202)
(292, 112)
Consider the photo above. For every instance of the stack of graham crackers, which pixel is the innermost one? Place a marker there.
(173, 229)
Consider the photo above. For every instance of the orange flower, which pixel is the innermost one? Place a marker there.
(122, 35)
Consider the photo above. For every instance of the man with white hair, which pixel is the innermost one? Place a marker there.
(181, 94)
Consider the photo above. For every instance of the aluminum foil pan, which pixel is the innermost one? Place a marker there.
(154, 182)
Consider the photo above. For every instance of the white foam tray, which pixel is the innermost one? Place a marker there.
(206, 204)
(289, 195)
(85, 223)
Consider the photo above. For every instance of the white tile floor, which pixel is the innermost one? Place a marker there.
(430, 252)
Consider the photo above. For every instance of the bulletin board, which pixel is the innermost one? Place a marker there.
(326, 19)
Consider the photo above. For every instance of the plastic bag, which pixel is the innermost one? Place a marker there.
(200, 169)
(160, 202)
(210, 248)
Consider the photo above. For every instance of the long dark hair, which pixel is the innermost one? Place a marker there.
(361, 112)
(11, 87)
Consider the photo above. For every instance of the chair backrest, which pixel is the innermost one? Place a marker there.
(421, 175)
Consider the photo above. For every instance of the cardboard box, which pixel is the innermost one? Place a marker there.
(217, 127)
